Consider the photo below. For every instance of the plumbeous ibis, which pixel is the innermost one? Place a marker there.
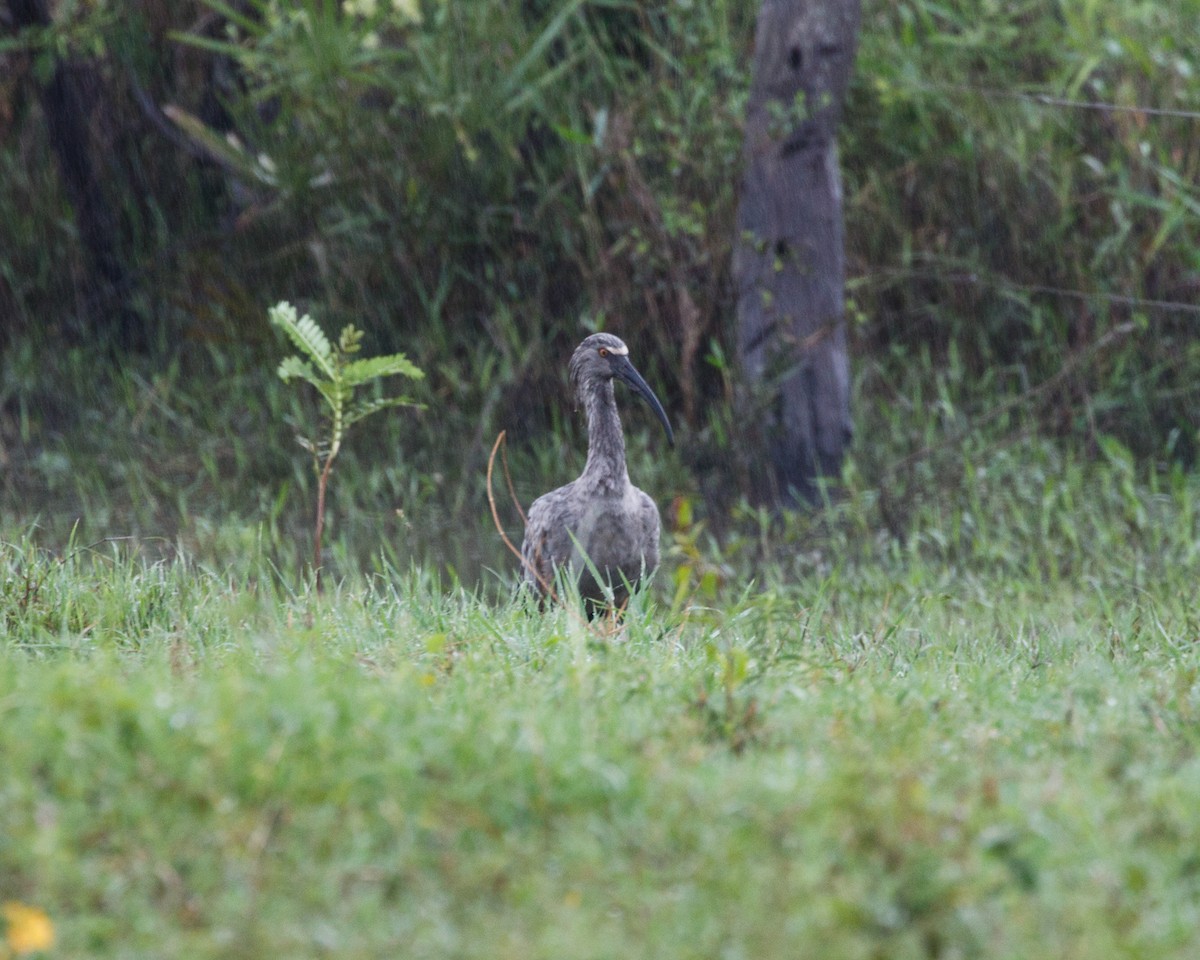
(599, 522)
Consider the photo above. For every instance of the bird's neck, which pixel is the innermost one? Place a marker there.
(605, 469)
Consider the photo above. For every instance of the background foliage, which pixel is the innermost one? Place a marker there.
(481, 183)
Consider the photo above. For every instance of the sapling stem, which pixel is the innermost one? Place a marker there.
(336, 373)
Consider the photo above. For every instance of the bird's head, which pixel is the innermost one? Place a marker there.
(602, 358)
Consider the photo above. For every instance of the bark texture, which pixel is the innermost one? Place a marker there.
(789, 261)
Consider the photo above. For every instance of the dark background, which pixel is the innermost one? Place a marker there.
(482, 186)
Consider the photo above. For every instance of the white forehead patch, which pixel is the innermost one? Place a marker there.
(621, 351)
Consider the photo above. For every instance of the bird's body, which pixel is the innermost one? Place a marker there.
(599, 523)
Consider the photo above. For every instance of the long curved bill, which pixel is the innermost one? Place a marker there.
(627, 372)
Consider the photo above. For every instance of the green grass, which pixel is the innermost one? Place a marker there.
(900, 758)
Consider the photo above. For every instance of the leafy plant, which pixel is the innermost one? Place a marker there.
(336, 373)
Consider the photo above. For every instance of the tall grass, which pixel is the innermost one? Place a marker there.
(882, 760)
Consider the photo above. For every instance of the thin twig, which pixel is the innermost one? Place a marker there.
(92, 546)
(154, 114)
(508, 477)
(526, 564)
(319, 529)
(1048, 100)
(1004, 286)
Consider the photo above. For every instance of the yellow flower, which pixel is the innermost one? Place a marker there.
(28, 928)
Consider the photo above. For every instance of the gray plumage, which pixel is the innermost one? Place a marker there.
(601, 516)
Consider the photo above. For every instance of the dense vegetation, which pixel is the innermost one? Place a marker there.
(950, 713)
(482, 185)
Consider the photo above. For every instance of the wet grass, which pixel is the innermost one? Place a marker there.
(903, 757)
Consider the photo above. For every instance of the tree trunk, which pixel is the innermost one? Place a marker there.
(65, 109)
(789, 262)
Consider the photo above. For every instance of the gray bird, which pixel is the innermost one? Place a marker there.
(600, 520)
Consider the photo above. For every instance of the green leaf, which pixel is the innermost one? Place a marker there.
(307, 336)
(364, 408)
(370, 368)
(223, 47)
(515, 80)
(294, 366)
(252, 25)
(351, 339)
(219, 147)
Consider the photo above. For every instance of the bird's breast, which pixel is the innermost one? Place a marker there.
(612, 531)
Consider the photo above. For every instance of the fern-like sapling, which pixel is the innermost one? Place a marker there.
(336, 373)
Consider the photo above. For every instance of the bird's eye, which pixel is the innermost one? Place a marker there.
(604, 351)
